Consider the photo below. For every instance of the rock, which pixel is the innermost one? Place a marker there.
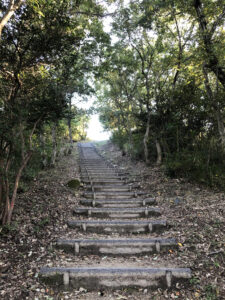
(74, 184)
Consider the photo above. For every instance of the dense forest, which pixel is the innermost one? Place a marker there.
(163, 93)
(158, 77)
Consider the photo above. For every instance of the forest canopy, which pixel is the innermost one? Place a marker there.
(162, 95)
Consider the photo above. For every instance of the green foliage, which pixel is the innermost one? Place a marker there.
(164, 85)
(211, 292)
(48, 52)
(194, 280)
(198, 165)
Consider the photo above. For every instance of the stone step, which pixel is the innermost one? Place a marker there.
(104, 182)
(96, 168)
(143, 212)
(102, 174)
(113, 278)
(133, 202)
(102, 170)
(99, 162)
(102, 177)
(99, 169)
(110, 195)
(119, 226)
(117, 247)
(110, 188)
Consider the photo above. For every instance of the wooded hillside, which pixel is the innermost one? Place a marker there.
(159, 80)
(162, 89)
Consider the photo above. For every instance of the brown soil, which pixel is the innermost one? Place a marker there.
(195, 213)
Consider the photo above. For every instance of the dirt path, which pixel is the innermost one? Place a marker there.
(195, 213)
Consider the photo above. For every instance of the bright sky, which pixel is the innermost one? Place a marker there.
(95, 131)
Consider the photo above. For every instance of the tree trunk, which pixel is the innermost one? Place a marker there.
(16, 184)
(145, 140)
(54, 145)
(10, 203)
(13, 6)
(221, 128)
(166, 149)
(159, 152)
(5, 198)
(1, 186)
(217, 112)
(44, 158)
(213, 62)
(70, 136)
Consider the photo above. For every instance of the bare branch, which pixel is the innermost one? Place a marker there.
(13, 6)
(217, 22)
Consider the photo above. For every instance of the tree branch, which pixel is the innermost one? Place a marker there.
(12, 7)
(217, 22)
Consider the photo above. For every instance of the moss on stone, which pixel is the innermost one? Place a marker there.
(74, 184)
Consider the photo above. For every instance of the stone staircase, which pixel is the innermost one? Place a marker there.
(113, 205)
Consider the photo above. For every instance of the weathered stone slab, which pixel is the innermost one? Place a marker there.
(109, 188)
(144, 212)
(119, 226)
(86, 176)
(113, 278)
(110, 195)
(118, 247)
(118, 202)
(103, 182)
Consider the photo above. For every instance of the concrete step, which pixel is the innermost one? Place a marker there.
(143, 212)
(110, 195)
(104, 182)
(102, 174)
(109, 188)
(113, 278)
(104, 170)
(133, 202)
(99, 170)
(114, 247)
(102, 177)
(97, 163)
(119, 226)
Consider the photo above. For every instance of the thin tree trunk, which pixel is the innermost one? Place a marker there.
(159, 152)
(13, 6)
(145, 140)
(6, 216)
(1, 186)
(213, 61)
(5, 191)
(166, 149)
(70, 136)
(221, 128)
(10, 206)
(54, 145)
(6, 209)
(44, 159)
(218, 116)
(178, 144)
